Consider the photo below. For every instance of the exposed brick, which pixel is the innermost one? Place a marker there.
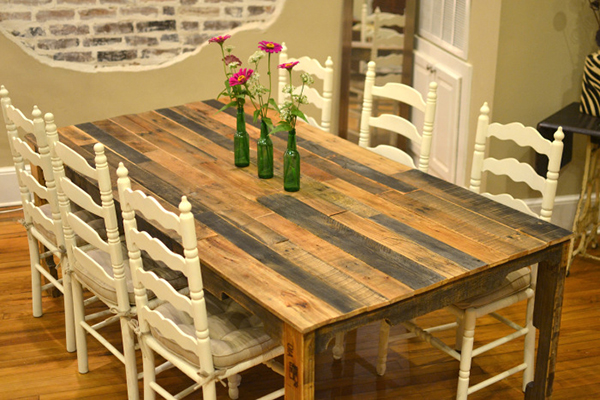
(77, 2)
(259, 10)
(115, 56)
(114, 28)
(200, 11)
(54, 15)
(168, 10)
(116, 2)
(141, 41)
(220, 25)
(153, 26)
(139, 11)
(37, 31)
(91, 13)
(56, 44)
(29, 32)
(195, 39)
(190, 25)
(222, 1)
(92, 42)
(148, 53)
(188, 2)
(234, 11)
(67, 29)
(31, 3)
(173, 37)
(15, 16)
(74, 56)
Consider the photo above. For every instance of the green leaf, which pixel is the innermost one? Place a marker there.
(226, 106)
(300, 114)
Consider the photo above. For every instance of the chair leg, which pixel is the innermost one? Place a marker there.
(80, 334)
(149, 371)
(338, 347)
(36, 277)
(209, 391)
(68, 304)
(130, 360)
(466, 354)
(460, 332)
(384, 336)
(233, 383)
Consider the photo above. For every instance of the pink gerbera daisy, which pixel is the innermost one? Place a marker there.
(219, 39)
(269, 47)
(241, 77)
(288, 65)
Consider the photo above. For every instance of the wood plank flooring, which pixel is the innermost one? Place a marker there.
(35, 365)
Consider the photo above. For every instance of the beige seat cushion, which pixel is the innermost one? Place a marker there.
(235, 334)
(105, 288)
(514, 282)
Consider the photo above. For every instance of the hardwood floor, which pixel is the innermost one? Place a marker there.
(35, 365)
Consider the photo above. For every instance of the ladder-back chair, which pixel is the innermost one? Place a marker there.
(396, 124)
(43, 222)
(205, 338)
(324, 100)
(518, 285)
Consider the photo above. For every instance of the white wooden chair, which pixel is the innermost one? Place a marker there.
(207, 339)
(518, 285)
(396, 124)
(43, 222)
(324, 100)
(95, 253)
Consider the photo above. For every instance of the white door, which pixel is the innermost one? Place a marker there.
(444, 148)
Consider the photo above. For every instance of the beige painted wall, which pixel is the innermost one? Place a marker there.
(76, 97)
(542, 48)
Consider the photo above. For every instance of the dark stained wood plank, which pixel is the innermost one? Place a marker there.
(430, 243)
(282, 265)
(491, 209)
(394, 264)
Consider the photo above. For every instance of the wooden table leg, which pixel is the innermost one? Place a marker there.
(299, 360)
(546, 318)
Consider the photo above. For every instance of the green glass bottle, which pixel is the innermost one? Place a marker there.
(291, 164)
(264, 153)
(241, 141)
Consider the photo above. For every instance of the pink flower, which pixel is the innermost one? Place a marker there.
(288, 65)
(241, 77)
(269, 47)
(230, 58)
(219, 39)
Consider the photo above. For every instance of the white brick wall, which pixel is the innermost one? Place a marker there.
(102, 35)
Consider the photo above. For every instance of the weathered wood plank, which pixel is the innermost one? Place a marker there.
(362, 272)
(278, 263)
(431, 227)
(486, 207)
(394, 264)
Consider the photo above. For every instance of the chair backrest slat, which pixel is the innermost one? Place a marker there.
(392, 123)
(133, 203)
(516, 170)
(323, 100)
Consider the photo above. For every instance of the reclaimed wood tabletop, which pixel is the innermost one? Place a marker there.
(364, 239)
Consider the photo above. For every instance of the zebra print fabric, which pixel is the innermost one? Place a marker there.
(590, 94)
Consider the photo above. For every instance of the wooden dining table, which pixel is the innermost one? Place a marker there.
(365, 238)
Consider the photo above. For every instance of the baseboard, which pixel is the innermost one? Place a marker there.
(564, 209)
(9, 195)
